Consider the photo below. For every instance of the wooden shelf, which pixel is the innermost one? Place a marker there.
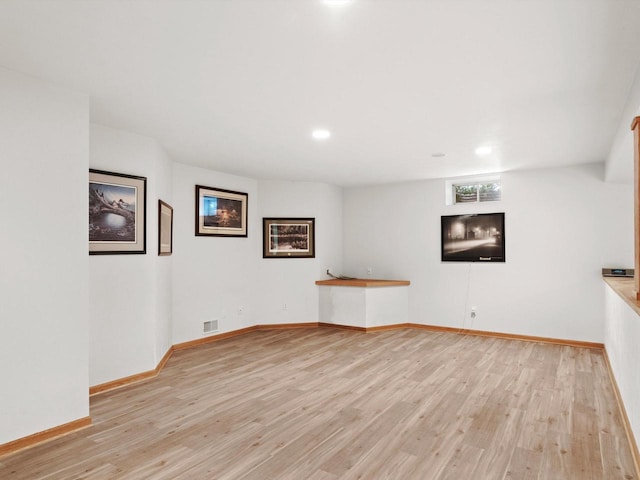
(362, 282)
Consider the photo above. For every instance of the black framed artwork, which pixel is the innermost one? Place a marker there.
(165, 229)
(221, 213)
(475, 237)
(288, 238)
(117, 213)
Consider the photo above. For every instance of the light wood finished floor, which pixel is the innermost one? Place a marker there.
(323, 404)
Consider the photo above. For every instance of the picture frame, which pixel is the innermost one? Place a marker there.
(221, 213)
(288, 238)
(477, 237)
(165, 229)
(117, 213)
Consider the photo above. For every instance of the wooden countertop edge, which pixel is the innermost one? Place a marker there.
(625, 288)
(362, 282)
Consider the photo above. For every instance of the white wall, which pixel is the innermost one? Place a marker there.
(44, 154)
(619, 164)
(130, 295)
(622, 330)
(562, 227)
(213, 277)
(164, 265)
(291, 282)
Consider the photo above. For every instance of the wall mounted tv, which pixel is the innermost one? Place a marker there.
(476, 237)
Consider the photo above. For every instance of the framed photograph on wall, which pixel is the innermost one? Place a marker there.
(288, 238)
(221, 213)
(165, 228)
(117, 213)
(473, 238)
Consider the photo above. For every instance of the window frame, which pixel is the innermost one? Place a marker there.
(450, 197)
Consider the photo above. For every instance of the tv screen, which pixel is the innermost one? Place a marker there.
(476, 237)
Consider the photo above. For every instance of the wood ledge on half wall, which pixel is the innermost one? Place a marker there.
(362, 282)
(625, 288)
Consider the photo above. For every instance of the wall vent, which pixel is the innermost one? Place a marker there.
(210, 326)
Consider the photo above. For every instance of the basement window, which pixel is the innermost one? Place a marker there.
(473, 190)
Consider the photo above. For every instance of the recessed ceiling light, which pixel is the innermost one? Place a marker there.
(321, 134)
(482, 151)
(438, 155)
(336, 3)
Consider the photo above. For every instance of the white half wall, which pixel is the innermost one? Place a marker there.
(290, 282)
(622, 333)
(44, 153)
(364, 307)
(130, 295)
(562, 226)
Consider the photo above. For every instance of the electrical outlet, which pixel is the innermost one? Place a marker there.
(285, 306)
(473, 312)
(369, 270)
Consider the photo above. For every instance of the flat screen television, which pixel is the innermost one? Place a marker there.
(477, 237)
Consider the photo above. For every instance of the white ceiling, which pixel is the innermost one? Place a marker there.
(238, 85)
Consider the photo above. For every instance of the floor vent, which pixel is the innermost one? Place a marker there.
(210, 326)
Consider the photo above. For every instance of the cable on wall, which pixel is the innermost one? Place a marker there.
(466, 300)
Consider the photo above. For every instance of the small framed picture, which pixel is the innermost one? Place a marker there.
(117, 213)
(288, 238)
(165, 228)
(220, 213)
